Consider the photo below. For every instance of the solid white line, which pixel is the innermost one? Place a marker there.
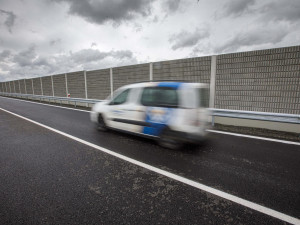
(212, 131)
(255, 137)
(173, 176)
(22, 100)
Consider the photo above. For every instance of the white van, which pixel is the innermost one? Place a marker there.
(174, 113)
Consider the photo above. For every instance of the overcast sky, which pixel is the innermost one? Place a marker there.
(47, 37)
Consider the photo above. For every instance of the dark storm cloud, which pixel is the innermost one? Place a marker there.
(4, 55)
(10, 19)
(29, 63)
(288, 10)
(237, 7)
(253, 37)
(102, 11)
(188, 39)
(26, 57)
(172, 5)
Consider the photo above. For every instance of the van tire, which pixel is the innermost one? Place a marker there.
(101, 126)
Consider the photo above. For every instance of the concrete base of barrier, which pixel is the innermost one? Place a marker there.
(286, 127)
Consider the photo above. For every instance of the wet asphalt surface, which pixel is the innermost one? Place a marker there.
(49, 179)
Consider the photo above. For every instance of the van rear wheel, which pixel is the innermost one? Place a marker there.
(167, 140)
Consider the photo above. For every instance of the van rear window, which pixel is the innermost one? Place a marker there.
(204, 97)
(160, 97)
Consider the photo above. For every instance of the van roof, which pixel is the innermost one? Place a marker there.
(164, 83)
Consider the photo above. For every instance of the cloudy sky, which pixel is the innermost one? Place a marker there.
(47, 37)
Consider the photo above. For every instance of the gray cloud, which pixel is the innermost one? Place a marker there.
(4, 55)
(253, 37)
(237, 7)
(188, 39)
(288, 10)
(55, 41)
(172, 5)
(115, 11)
(26, 57)
(92, 55)
(10, 19)
(30, 64)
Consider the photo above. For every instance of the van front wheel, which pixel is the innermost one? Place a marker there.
(101, 126)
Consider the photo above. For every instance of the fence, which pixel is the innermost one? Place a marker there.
(265, 80)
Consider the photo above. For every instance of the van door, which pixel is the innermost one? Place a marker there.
(116, 114)
(134, 112)
(125, 112)
(161, 104)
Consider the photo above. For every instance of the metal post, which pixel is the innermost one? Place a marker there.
(41, 86)
(32, 86)
(85, 84)
(19, 87)
(66, 80)
(5, 87)
(14, 86)
(25, 87)
(52, 86)
(9, 87)
(85, 87)
(151, 71)
(111, 82)
(213, 70)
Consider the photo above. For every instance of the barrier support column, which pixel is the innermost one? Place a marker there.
(66, 80)
(32, 86)
(111, 82)
(151, 71)
(52, 86)
(213, 71)
(19, 87)
(25, 86)
(85, 87)
(41, 86)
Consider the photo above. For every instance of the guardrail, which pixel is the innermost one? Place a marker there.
(52, 98)
(252, 115)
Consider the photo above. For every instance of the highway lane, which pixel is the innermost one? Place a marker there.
(47, 178)
(260, 171)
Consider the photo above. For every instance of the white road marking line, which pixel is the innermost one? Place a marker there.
(254, 137)
(212, 131)
(22, 100)
(240, 201)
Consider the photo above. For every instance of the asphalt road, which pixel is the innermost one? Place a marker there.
(47, 178)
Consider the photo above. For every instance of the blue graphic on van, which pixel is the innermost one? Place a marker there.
(174, 85)
(158, 118)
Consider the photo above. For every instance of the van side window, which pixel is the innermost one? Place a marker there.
(160, 97)
(121, 98)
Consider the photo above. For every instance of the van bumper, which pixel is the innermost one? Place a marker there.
(191, 138)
